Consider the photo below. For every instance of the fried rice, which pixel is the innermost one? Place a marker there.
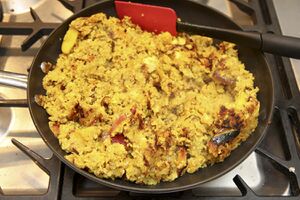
(126, 103)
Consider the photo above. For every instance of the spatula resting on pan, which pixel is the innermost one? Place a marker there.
(160, 19)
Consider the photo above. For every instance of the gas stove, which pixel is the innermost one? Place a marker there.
(28, 169)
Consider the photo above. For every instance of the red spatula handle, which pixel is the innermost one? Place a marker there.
(151, 18)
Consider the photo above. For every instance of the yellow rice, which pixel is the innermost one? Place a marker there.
(126, 103)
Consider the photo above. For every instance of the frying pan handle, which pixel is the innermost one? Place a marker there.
(249, 39)
(281, 45)
(13, 79)
(275, 44)
(20, 103)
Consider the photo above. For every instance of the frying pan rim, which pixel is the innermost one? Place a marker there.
(132, 188)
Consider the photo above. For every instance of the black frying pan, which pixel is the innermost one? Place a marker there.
(190, 12)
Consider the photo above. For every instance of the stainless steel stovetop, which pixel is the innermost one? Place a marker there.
(20, 175)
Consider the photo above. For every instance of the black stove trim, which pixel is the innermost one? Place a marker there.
(35, 30)
(1, 12)
(52, 167)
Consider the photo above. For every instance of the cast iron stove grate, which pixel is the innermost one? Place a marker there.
(279, 151)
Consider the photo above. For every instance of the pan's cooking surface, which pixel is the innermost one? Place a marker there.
(24, 177)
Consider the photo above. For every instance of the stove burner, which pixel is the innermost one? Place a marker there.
(5, 121)
(18, 7)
